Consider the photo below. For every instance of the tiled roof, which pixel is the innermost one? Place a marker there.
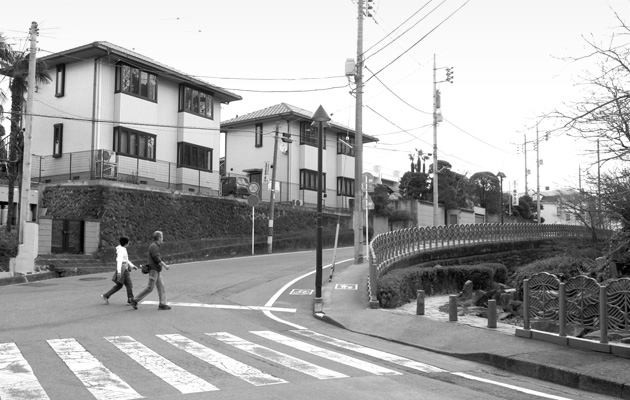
(284, 109)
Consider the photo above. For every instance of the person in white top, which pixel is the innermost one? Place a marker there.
(122, 276)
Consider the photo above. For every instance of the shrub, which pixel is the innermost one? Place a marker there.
(564, 267)
(8, 247)
(401, 286)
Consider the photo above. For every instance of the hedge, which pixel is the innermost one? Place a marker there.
(401, 286)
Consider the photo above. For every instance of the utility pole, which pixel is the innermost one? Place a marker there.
(599, 201)
(525, 153)
(26, 158)
(537, 177)
(358, 144)
(436, 210)
(273, 191)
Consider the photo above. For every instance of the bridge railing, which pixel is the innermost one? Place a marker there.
(389, 247)
(580, 302)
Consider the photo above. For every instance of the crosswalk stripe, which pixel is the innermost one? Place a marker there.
(331, 355)
(172, 374)
(17, 377)
(398, 360)
(277, 357)
(100, 381)
(224, 363)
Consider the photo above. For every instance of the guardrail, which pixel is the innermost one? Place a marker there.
(389, 247)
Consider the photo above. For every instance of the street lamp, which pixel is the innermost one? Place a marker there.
(320, 117)
(501, 175)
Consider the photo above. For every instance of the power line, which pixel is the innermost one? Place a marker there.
(415, 44)
(401, 35)
(476, 138)
(398, 97)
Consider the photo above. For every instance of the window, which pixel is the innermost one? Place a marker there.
(60, 81)
(259, 135)
(136, 82)
(309, 135)
(568, 216)
(57, 140)
(134, 143)
(345, 186)
(308, 180)
(343, 148)
(196, 101)
(194, 156)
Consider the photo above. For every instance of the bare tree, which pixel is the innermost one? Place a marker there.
(603, 114)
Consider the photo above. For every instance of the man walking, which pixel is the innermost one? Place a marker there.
(155, 276)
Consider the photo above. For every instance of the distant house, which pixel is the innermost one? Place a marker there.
(114, 114)
(249, 152)
(552, 210)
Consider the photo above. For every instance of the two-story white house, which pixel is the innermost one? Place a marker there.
(111, 113)
(553, 211)
(249, 152)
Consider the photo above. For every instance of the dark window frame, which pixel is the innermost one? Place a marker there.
(133, 140)
(192, 104)
(60, 80)
(308, 180)
(258, 141)
(57, 138)
(345, 186)
(135, 81)
(194, 156)
(309, 135)
(342, 148)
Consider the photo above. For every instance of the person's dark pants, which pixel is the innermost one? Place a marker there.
(126, 282)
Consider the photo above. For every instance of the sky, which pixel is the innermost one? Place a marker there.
(510, 63)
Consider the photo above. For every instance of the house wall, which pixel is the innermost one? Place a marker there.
(80, 135)
(242, 154)
(76, 104)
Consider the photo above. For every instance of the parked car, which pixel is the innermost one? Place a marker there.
(234, 186)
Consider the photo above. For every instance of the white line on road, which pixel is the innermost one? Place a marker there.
(225, 306)
(381, 355)
(285, 360)
(100, 381)
(517, 388)
(224, 363)
(328, 354)
(17, 380)
(172, 374)
(284, 288)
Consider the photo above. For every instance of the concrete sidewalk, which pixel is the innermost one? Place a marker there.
(470, 339)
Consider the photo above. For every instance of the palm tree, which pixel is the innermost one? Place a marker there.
(15, 66)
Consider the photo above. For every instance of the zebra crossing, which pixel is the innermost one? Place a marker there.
(18, 381)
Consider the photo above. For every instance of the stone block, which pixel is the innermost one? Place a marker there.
(549, 337)
(588, 345)
(524, 333)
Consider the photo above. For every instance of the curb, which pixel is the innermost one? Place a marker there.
(544, 372)
(14, 280)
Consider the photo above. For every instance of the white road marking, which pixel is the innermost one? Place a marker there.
(100, 381)
(517, 388)
(225, 306)
(17, 380)
(283, 289)
(328, 354)
(277, 357)
(381, 355)
(224, 363)
(172, 374)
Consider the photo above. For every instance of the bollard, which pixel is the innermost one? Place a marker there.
(452, 308)
(492, 313)
(420, 303)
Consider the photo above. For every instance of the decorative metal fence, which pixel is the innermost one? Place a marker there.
(580, 302)
(389, 247)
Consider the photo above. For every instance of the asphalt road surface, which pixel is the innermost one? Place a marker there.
(239, 328)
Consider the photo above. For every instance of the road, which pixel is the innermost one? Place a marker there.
(239, 328)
